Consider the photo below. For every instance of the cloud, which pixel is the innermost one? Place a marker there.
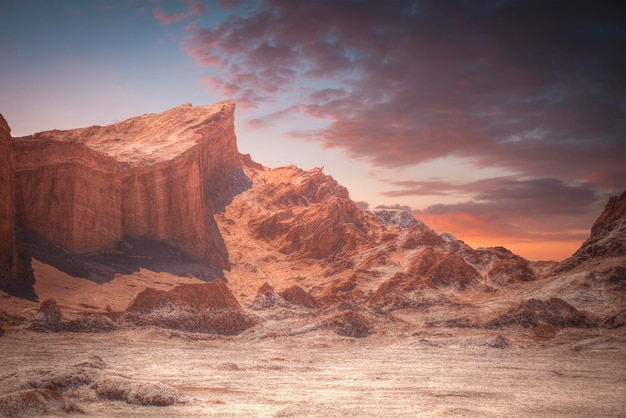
(510, 211)
(533, 87)
(395, 207)
(192, 9)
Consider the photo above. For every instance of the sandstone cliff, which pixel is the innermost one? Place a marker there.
(158, 176)
(8, 249)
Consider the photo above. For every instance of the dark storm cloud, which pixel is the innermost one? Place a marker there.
(535, 87)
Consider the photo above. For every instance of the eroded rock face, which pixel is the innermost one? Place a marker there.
(310, 215)
(159, 176)
(608, 235)
(8, 249)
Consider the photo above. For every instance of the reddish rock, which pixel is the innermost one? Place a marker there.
(206, 307)
(349, 323)
(509, 270)
(421, 234)
(265, 298)
(298, 296)
(8, 247)
(391, 294)
(452, 270)
(158, 176)
(608, 236)
(555, 312)
(423, 262)
(313, 215)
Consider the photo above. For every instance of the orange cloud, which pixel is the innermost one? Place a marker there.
(477, 232)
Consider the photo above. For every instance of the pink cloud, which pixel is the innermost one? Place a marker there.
(401, 85)
(165, 18)
(419, 84)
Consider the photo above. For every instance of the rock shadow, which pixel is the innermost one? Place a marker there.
(133, 253)
(126, 257)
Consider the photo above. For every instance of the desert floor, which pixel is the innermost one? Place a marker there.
(435, 372)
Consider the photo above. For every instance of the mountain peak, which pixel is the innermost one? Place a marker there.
(147, 139)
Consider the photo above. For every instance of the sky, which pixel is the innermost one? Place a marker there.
(502, 122)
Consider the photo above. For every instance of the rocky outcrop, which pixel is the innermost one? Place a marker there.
(265, 298)
(53, 390)
(555, 312)
(158, 176)
(452, 270)
(608, 236)
(298, 296)
(309, 215)
(8, 247)
(349, 323)
(37, 402)
(207, 307)
(50, 318)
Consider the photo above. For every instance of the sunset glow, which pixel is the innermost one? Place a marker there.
(501, 122)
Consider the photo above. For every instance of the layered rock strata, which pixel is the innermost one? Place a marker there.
(8, 252)
(159, 176)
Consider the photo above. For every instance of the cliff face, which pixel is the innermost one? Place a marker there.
(159, 176)
(8, 252)
(607, 238)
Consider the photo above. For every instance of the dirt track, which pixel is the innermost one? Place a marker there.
(438, 372)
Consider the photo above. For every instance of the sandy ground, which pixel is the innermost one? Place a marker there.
(438, 372)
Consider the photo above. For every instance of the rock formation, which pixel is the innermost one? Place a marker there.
(176, 179)
(307, 213)
(8, 246)
(158, 176)
(608, 236)
(208, 307)
(555, 312)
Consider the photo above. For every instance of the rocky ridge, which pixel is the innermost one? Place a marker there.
(607, 239)
(295, 253)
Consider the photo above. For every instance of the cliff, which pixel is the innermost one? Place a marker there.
(158, 176)
(607, 238)
(8, 251)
